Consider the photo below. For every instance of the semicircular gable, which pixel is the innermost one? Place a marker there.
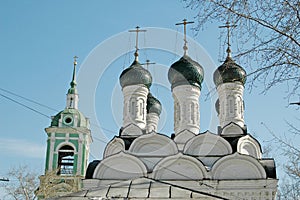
(236, 167)
(120, 166)
(153, 144)
(131, 130)
(249, 146)
(116, 145)
(179, 167)
(232, 129)
(207, 144)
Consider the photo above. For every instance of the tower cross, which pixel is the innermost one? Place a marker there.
(184, 23)
(228, 26)
(137, 30)
(148, 63)
(75, 60)
(73, 83)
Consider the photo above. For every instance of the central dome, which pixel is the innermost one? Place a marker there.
(186, 72)
(135, 75)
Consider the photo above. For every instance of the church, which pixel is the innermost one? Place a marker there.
(141, 163)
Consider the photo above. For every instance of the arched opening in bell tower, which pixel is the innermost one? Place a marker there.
(66, 160)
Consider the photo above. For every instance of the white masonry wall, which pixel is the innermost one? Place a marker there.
(135, 102)
(152, 122)
(186, 108)
(231, 107)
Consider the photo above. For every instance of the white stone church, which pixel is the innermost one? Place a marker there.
(140, 163)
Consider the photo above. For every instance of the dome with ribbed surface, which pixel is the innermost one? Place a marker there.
(153, 105)
(135, 75)
(186, 72)
(228, 72)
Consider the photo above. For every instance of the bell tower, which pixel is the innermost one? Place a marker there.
(68, 146)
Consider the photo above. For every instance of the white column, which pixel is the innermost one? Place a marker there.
(186, 108)
(152, 122)
(231, 108)
(135, 102)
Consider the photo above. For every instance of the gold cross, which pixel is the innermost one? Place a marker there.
(137, 30)
(184, 23)
(228, 26)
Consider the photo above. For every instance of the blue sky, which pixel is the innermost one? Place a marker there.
(38, 40)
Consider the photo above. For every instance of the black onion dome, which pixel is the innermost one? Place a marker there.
(134, 75)
(186, 72)
(228, 72)
(153, 105)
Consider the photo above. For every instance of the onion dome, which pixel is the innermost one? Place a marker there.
(186, 72)
(228, 72)
(135, 75)
(70, 117)
(153, 105)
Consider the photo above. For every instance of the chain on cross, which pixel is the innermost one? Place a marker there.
(184, 23)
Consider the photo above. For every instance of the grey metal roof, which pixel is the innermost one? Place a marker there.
(140, 188)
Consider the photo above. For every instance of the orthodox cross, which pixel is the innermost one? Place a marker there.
(228, 26)
(184, 23)
(75, 60)
(148, 63)
(137, 30)
(74, 71)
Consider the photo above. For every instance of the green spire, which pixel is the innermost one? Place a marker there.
(73, 89)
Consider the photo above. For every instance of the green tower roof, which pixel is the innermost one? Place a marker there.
(73, 89)
(70, 117)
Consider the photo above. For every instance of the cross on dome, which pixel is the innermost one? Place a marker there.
(75, 60)
(184, 23)
(148, 63)
(73, 83)
(228, 26)
(137, 30)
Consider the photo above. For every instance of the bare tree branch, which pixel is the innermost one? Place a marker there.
(24, 183)
(267, 34)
